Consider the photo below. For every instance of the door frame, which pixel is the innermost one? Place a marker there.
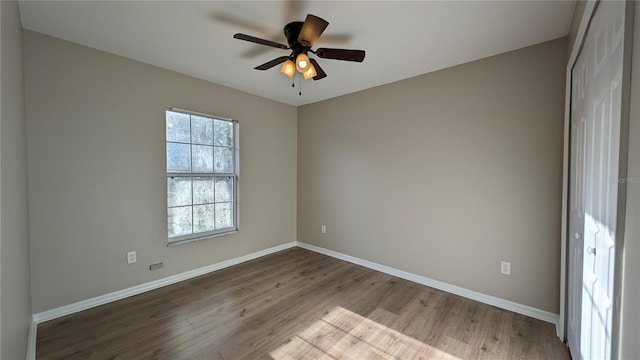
(575, 48)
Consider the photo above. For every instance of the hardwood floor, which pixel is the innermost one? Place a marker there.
(297, 304)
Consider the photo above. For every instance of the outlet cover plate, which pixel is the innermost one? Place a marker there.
(505, 267)
(131, 257)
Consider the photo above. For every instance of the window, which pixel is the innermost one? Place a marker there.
(201, 176)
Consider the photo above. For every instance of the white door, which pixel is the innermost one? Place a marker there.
(595, 146)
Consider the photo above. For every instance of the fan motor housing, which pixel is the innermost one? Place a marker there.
(292, 31)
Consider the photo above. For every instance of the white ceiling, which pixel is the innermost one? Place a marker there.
(402, 39)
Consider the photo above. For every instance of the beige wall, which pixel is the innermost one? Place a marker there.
(630, 314)
(15, 289)
(95, 127)
(445, 174)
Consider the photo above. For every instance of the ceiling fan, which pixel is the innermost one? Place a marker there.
(301, 36)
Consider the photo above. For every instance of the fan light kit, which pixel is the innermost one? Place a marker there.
(301, 36)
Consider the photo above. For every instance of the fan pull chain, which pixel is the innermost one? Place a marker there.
(300, 84)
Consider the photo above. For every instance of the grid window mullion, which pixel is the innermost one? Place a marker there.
(214, 203)
(191, 170)
(192, 207)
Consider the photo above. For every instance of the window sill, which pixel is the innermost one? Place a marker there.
(206, 237)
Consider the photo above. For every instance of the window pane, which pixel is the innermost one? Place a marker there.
(223, 160)
(224, 215)
(202, 159)
(178, 157)
(203, 190)
(201, 130)
(178, 191)
(179, 221)
(178, 127)
(223, 133)
(203, 218)
(224, 189)
(199, 144)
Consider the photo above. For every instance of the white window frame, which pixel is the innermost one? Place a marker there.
(177, 240)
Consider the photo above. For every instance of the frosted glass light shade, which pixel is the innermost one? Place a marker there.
(302, 63)
(311, 72)
(288, 68)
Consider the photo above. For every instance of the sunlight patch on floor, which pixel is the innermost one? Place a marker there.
(343, 334)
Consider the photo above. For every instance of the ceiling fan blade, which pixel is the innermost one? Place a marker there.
(311, 30)
(336, 38)
(255, 51)
(236, 22)
(341, 54)
(320, 73)
(272, 63)
(256, 40)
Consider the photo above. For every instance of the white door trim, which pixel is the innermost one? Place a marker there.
(625, 113)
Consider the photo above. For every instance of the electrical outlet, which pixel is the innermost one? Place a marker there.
(323, 229)
(131, 257)
(505, 267)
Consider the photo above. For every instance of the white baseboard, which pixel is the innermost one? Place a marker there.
(473, 295)
(31, 342)
(138, 289)
(135, 290)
